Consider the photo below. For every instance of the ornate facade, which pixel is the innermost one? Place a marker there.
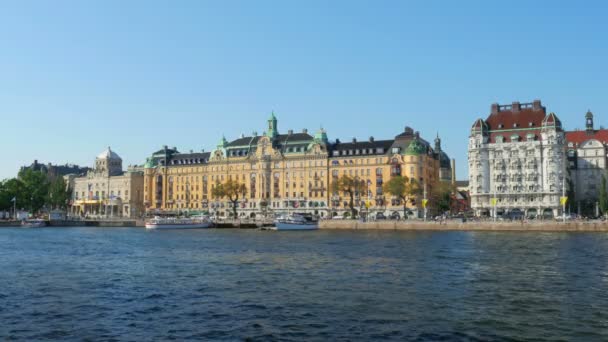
(587, 163)
(517, 157)
(288, 171)
(107, 190)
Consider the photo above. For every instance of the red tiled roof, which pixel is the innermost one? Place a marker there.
(579, 137)
(522, 118)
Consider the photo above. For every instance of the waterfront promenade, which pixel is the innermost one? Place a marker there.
(454, 225)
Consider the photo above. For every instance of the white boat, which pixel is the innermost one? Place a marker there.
(35, 223)
(179, 223)
(296, 222)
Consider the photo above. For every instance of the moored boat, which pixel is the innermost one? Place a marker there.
(34, 223)
(179, 223)
(296, 222)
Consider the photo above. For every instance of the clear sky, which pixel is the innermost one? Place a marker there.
(78, 76)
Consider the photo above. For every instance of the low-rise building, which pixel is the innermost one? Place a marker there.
(107, 190)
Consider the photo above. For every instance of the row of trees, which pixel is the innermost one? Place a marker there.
(33, 191)
(401, 187)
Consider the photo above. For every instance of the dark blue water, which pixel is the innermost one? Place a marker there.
(132, 284)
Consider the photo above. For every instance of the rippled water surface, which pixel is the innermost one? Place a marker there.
(132, 284)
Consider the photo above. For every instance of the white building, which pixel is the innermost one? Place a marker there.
(517, 162)
(108, 191)
(587, 163)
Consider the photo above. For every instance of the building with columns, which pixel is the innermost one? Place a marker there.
(587, 163)
(107, 190)
(517, 156)
(289, 171)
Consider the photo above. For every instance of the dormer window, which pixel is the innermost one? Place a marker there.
(530, 137)
(500, 139)
(500, 125)
(515, 138)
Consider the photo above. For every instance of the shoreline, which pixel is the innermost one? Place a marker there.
(467, 226)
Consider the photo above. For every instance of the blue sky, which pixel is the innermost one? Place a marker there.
(78, 76)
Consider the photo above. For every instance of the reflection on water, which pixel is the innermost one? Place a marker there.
(132, 284)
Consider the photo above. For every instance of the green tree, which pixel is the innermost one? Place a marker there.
(603, 197)
(36, 189)
(13, 188)
(441, 196)
(351, 187)
(58, 194)
(233, 190)
(404, 188)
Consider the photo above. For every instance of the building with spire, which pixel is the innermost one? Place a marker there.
(517, 162)
(107, 190)
(289, 171)
(587, 151)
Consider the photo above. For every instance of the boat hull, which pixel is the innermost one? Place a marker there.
(179, 226)
(35, 224)
(295, 226)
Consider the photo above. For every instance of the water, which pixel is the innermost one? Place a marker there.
(132, 284)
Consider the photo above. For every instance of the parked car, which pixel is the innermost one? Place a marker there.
(395, 216)
(380, 216)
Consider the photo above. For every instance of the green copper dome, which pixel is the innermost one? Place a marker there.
(149, 163)
(415, 148)
(321, 136)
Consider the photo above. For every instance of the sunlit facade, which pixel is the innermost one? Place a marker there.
(291, 171)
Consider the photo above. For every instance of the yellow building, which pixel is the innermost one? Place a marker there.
(291, 171)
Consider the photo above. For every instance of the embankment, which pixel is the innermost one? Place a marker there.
(548, 226)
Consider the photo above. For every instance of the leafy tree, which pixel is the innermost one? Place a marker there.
(36, 187)
(233, 190)
(441, 195)
(350, 186)
(603, 196)
(58, 194)
(12, 188)
(404, 188)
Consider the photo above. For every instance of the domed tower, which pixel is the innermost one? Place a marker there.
(108, 163)
(589, 121)
(272, 131)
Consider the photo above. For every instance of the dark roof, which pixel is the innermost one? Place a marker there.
(462, 183)
(281, 139)
(189, 158)
(384, 144)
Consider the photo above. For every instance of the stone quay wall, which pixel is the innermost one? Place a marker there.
(546, 226)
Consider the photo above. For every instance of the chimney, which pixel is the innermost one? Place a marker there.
(165, 147)
(174, 148)
(191, 151)
(494, 108)
(453, 171)
(515, 107)
(337, 141)
(305, 131)
(371, 139)
(536, 105)
(242, 135)
(255, 133)
(290, 132)
(354, 140)
(417, 134)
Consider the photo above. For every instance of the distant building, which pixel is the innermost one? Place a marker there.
(107, 190)
(517, 161)
(54, 171)
(587, 151)
(293, 171)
